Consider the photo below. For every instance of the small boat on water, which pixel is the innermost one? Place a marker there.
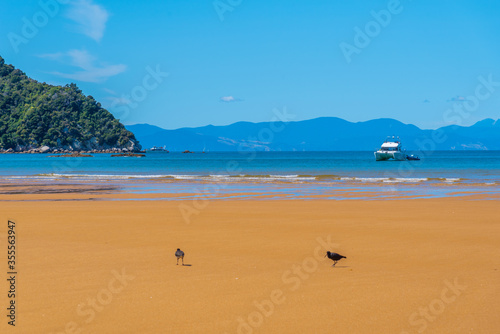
(391, 149)
(412, 157)
(158, 149)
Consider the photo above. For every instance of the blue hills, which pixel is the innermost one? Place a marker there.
(319, 134)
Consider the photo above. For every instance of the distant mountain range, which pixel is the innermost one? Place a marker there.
(319, 134)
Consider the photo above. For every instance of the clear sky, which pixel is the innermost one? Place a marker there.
(430, 63)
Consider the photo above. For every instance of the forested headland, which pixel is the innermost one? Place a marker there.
(35, 115)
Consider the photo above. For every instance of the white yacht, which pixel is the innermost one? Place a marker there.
(158, 149)
(391, 149)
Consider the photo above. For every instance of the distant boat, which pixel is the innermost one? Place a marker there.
(412, 157)
(391, 149)
(158, 149)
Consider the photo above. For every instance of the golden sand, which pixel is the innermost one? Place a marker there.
(254, 266)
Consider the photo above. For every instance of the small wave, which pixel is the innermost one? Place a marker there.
(406, 179)
(365, 179)
(384, 179)
(185, 177)
(446, 179)
(328, 177)
(97, 176)
(263, 178)
(240, 178)
(452, 179)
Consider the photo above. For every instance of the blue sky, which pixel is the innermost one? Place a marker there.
(178, 63)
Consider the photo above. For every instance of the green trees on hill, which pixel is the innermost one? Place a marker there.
(34, 114)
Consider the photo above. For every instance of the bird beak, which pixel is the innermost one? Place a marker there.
(326, 255)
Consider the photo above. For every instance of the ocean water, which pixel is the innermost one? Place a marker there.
(477, 166)
(295, 173)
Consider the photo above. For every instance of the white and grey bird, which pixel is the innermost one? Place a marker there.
(179, 255)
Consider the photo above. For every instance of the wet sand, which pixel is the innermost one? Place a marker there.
(254, 266)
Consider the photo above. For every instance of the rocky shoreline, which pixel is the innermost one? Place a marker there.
(71, 155)
(137, 155)
(46, 149)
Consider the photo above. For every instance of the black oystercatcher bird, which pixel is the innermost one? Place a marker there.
(179, 255)
(335, 257)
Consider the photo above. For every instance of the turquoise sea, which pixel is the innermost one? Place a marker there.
(293, 173)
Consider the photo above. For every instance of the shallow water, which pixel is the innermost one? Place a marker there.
(271, 174)
(300, 166)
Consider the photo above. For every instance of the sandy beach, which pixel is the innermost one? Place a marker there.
(412, 266)
(249, 167)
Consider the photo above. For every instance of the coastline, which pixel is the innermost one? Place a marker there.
(154, 187)
(404, 258)
(66, 151)
(97, 247)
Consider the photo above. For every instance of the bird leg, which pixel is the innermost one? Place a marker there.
(182, 260)
(334, 263)
(177, 261)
